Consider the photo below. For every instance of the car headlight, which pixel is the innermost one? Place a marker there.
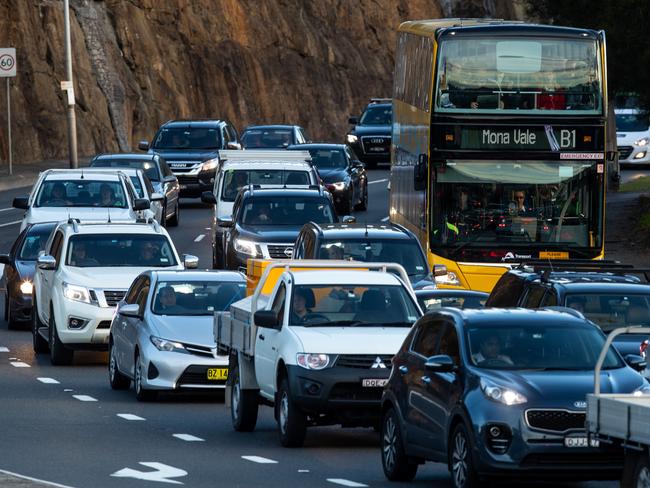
(449, 279)
(501, 394)
(314, 361)
(26, 287)
(339, 185)
(246, 247)
(642, 390)
(76, 293)
(210, 164)
(166, 345)
(351, 138)
(642, 142)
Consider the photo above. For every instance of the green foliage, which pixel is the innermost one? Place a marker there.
(637, 185)
(628, 40)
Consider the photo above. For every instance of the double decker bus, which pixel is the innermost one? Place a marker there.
(498, 144)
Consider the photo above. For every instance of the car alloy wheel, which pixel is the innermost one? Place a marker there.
(460, 454)
(117, 380)
(389, 443)
(235, 399)
(284, 412)
(643, 478)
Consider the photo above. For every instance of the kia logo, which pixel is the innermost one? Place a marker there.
(377, 141)
(580, 404)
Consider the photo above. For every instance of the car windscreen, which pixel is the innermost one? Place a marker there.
(639, 122)
(377, 116)
(328, 158)
(352, 306)
(148, 167)
(120, 250)
(188, 138)
(34, 242)
(195, 297)
(234, 180)
(81, 193)
(538, 347)
(294, 211)
(612, 310)
(435, 302)
(267, 138)
(404, 252)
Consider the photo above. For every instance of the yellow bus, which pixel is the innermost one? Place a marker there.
(498, 148)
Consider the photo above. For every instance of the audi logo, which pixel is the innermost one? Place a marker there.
(377, 141)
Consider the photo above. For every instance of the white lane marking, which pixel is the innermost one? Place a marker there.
(48, 381)
(68, 389)
(377, 181)
(161, 474)
(84, 398)
(4, 349)
(199, 238)
(7, 209)
(129, 416)
(208, 228)
(13, 359)
(259, 460)
(188, 437)
(20, 364)
(303, 471)
(36, 480)
(11, 223)
(343, 482)
(385, 219)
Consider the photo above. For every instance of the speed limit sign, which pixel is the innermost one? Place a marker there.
(7, 62)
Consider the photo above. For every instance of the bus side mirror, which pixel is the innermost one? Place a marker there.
(420, 174)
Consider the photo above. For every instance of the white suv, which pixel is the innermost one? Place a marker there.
(633, 136)
(85, 270)
(85, 194)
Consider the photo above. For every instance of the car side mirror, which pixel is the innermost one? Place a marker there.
(358, 164)
(208, 197)
(440, 364)
(349, 219)
(4, 259)
(143, 145)
(141, 204)
(21, 202)
(189, 261)
(233, 145)
(439, 270)
(225, 222)
(46, 262)
(169, 179)
(156, 197)
(267, 318)
(353, 120)
(130, 310)
(637, 363)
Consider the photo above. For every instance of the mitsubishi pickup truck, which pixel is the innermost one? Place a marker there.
(315, 341)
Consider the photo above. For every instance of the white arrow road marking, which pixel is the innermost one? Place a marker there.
(188, 438)
(199, 238)
(259, 459)
(84, 398)
(377, 181)
(29, 478)
(342, 482)
(161, 474)
(49, 381)
(129, 416)
(20, 364)
(4, 349)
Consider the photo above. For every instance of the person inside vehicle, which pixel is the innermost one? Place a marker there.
(334, 252)
(520, 206)
(490, 351)
(303, 300)
(551, 97)
(576, 303)
(262, 214)
(106, 196)
(167, 301)
(148, 254)
(58, 196)
(236, 183)
(179, 141)
(79, 257)
(638, 315)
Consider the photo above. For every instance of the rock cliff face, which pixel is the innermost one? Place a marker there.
(138, 63)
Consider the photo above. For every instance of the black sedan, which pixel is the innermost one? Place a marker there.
(501, 392)
(433, 299)
(19, 268)
(344, 176)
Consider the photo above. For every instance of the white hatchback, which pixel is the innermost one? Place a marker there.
(633, 136)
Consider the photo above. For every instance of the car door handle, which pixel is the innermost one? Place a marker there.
(426, 380)
(261, 336)
(403, 369)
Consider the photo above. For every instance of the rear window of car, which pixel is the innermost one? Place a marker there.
(612, 310)
(34, 242)
(234, 180)
(82, 193)
(149, 168)
(120, 250)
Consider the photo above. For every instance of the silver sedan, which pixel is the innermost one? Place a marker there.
(162, 334)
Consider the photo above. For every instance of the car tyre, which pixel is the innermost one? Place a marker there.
(118, 380)
(40, 345)
(163, 217)
(292, 422)
(141, 393)
(217, 258)
(397, 465)
(636, 473)
(363, 204)
(173, 222)
(9, 316)
(243, 405)
(59, 354)
(461, 461)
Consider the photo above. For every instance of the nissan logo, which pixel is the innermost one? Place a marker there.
(377, 141)
(288, 251)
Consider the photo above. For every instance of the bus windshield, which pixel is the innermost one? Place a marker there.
(492, 210)
(519, 76)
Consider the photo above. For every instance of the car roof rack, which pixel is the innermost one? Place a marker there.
(546, 267)
(381, 100)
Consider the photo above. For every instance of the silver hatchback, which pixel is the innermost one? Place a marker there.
(162, 333)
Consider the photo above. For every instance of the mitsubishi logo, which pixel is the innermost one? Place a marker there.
(378, 364)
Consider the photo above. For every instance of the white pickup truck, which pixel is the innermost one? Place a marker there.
(315, 341)
(622, 420)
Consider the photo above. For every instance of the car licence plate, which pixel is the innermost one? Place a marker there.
(374, 382)
(183, 187)
(582, 441)
(377, 149)
(216, 374)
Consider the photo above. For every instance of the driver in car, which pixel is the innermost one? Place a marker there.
(490, 351)
(299, 310)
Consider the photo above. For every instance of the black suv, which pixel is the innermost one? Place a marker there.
(371, 135)
(496, 393)
(608, 299)
(272, 136)
(191, 148)
(374, 243)
(266, 222)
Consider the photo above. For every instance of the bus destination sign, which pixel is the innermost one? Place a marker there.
(531, 138)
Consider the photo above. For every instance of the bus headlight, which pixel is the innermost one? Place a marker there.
(450, 278)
